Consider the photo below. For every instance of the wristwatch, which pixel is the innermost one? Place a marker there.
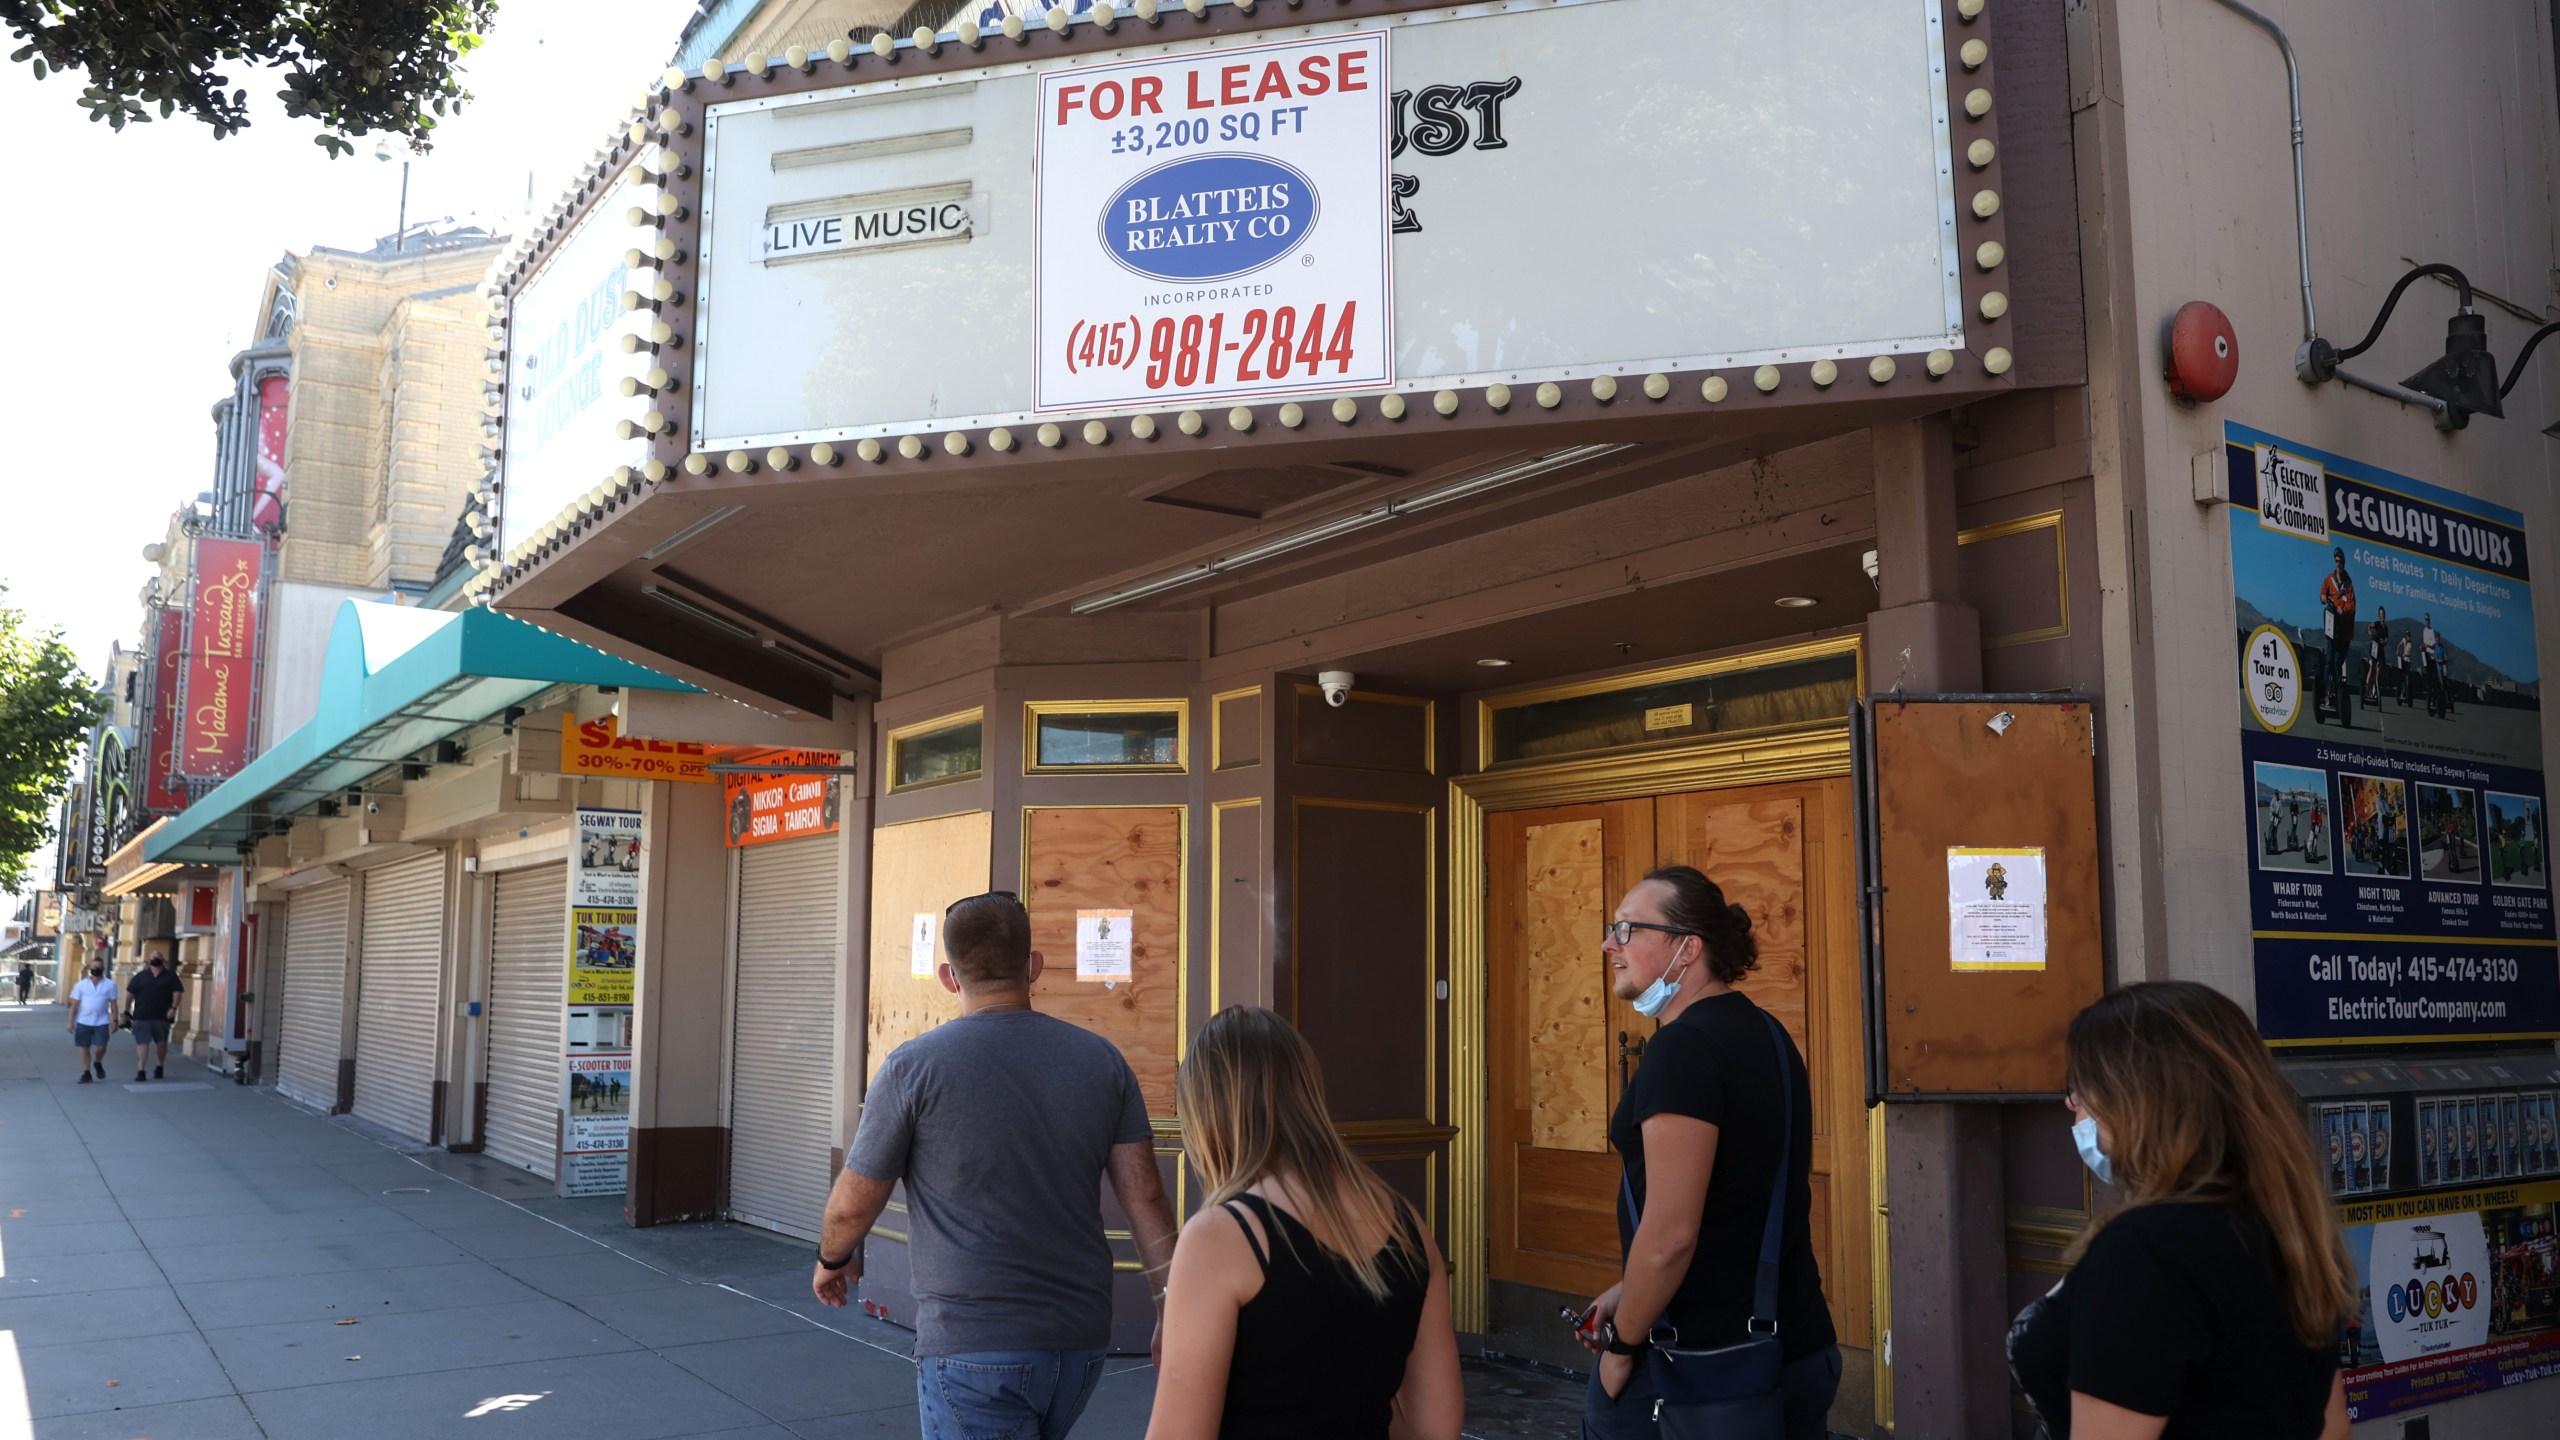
(1610, 1342)
(826, 1264)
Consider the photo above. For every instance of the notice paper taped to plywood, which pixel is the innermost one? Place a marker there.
(1103, 944)
(1995, 908)
(920, 959)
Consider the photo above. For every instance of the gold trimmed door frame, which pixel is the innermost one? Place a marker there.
(1810, 752)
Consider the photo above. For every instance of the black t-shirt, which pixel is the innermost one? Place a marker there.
(154, 996)
(1718, 1063)
(2177, 1310)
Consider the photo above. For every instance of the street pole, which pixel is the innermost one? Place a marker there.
(403, 245)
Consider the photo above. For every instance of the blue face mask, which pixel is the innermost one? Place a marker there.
(1656, 995)
(2085, 1135)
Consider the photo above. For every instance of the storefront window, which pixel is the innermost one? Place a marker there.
(1118, 737)
(951, 748)
(1712, 698)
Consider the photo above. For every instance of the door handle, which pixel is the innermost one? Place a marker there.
(1629, 1048)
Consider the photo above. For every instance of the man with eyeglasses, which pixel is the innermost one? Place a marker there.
(1003, 1124)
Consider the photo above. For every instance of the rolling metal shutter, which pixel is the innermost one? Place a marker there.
(528, 990)
(400, 961)
(315, 984)
(782, 1079)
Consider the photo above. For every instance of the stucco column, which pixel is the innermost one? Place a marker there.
(1944, 1198)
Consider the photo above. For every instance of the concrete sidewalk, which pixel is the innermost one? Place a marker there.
(184, 1260)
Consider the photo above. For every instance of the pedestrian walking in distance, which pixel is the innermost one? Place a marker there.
(154, 996)
(26, 980)
(1003, 1124)
(1716, 1131)
(93, 1019)
(2210, 1305)
(1322, 1311)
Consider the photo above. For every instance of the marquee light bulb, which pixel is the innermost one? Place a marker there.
(797, 57)
(969, 34)
(1981, 153)
(869, 450)
(1604, 388)
(1049, 436)
(1880, 369)
(780, 459)
(1941, 362)
(1550, 395)
(957, 442)
(1973, 53)
(1144, 427)
(1766, 378)
(1994, 305)
(1058, 21)
(1391, 405)
(1996, 360)
(1240, 419)
(741, 463)
(1656, 386)
(1096, 433)
(1000, 440)
(1989, 254)
(1986, 203)
(825, 455)
(1977, 102)
(1714, 390)
(1824, 372)
(1345, 411)
(1292, 416)
(840, 50)
(697, 464)
(911, 447)
(1497, 398)
(1190, 422)
(1103, 15)
(883, 46)
(1445, 401)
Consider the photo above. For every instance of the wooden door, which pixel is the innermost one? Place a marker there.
(1554, 1031)
(1782, 852)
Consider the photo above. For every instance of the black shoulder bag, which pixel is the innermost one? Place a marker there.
(1730, 1392)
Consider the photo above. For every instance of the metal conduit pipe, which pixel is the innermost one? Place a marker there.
(2301, 200)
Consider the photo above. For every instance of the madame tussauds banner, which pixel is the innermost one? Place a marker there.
(2391, 739)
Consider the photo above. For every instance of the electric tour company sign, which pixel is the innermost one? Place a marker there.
(218, 679)
(1461, 199)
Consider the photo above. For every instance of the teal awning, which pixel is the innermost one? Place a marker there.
(397, 680)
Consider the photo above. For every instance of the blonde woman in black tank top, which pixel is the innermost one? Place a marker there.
(1306, 1300)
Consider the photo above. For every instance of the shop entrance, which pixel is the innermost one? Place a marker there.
(1772, 823)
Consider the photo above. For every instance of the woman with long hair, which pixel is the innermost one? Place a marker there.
(2211, 1304)
(1306, 1300)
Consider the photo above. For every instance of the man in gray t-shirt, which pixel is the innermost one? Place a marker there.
(1003, 1124)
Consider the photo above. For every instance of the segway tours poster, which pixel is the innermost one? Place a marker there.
(2456, 1293)
(2391, 744)
(604, 960)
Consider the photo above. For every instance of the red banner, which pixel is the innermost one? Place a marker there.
(220, 667)
(161, 792)
(765, 808)
(266, 510)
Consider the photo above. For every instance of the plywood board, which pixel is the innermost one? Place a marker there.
(1753, 848)
(1119, 858)
(1561, 913)
(918, 868)
(1945, 776)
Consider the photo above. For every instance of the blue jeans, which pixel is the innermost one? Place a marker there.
(1806, 1388)
(1005, 1394)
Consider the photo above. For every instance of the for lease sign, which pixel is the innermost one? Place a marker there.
(1213, 225)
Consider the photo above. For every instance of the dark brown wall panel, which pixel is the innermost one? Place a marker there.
(1382, 733)
(1238, 903)
(1364, 964)
(1237, 718)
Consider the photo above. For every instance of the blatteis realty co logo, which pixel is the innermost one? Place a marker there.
(1209, 217)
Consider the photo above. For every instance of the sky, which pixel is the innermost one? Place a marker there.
(136, 260)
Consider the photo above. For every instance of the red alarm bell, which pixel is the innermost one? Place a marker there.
(2204, 356)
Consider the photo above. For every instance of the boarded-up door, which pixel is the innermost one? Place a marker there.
(315, 986)
(399, 968)
(528, 988)
(1561, 1041)
(1561, 1045)
(782, 1080)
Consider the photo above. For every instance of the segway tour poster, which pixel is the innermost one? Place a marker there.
(2391, 748)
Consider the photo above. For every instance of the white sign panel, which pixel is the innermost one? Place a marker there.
(565, 368)
(921, 958)
(1103, 948)
(1213, 225)
(2438, 1269)
(1995, 908)
(1579, 188)
(2293, 494)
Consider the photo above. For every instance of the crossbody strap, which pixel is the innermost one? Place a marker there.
(1764, 1289)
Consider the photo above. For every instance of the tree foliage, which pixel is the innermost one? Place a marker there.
(355, 66)
(46, 710)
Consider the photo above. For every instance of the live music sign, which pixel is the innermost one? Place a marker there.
(218, 689)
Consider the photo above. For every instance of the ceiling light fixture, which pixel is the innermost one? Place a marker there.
(674, 601)
(1492, 663)
(1797, 602)
(1494, 479)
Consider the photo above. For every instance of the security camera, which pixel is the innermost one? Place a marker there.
(1336, 685)
(1867, 562)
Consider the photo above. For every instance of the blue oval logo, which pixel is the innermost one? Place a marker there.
(1209, 217)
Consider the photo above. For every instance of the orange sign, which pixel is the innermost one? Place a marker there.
(597, 747)
(764, 808)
